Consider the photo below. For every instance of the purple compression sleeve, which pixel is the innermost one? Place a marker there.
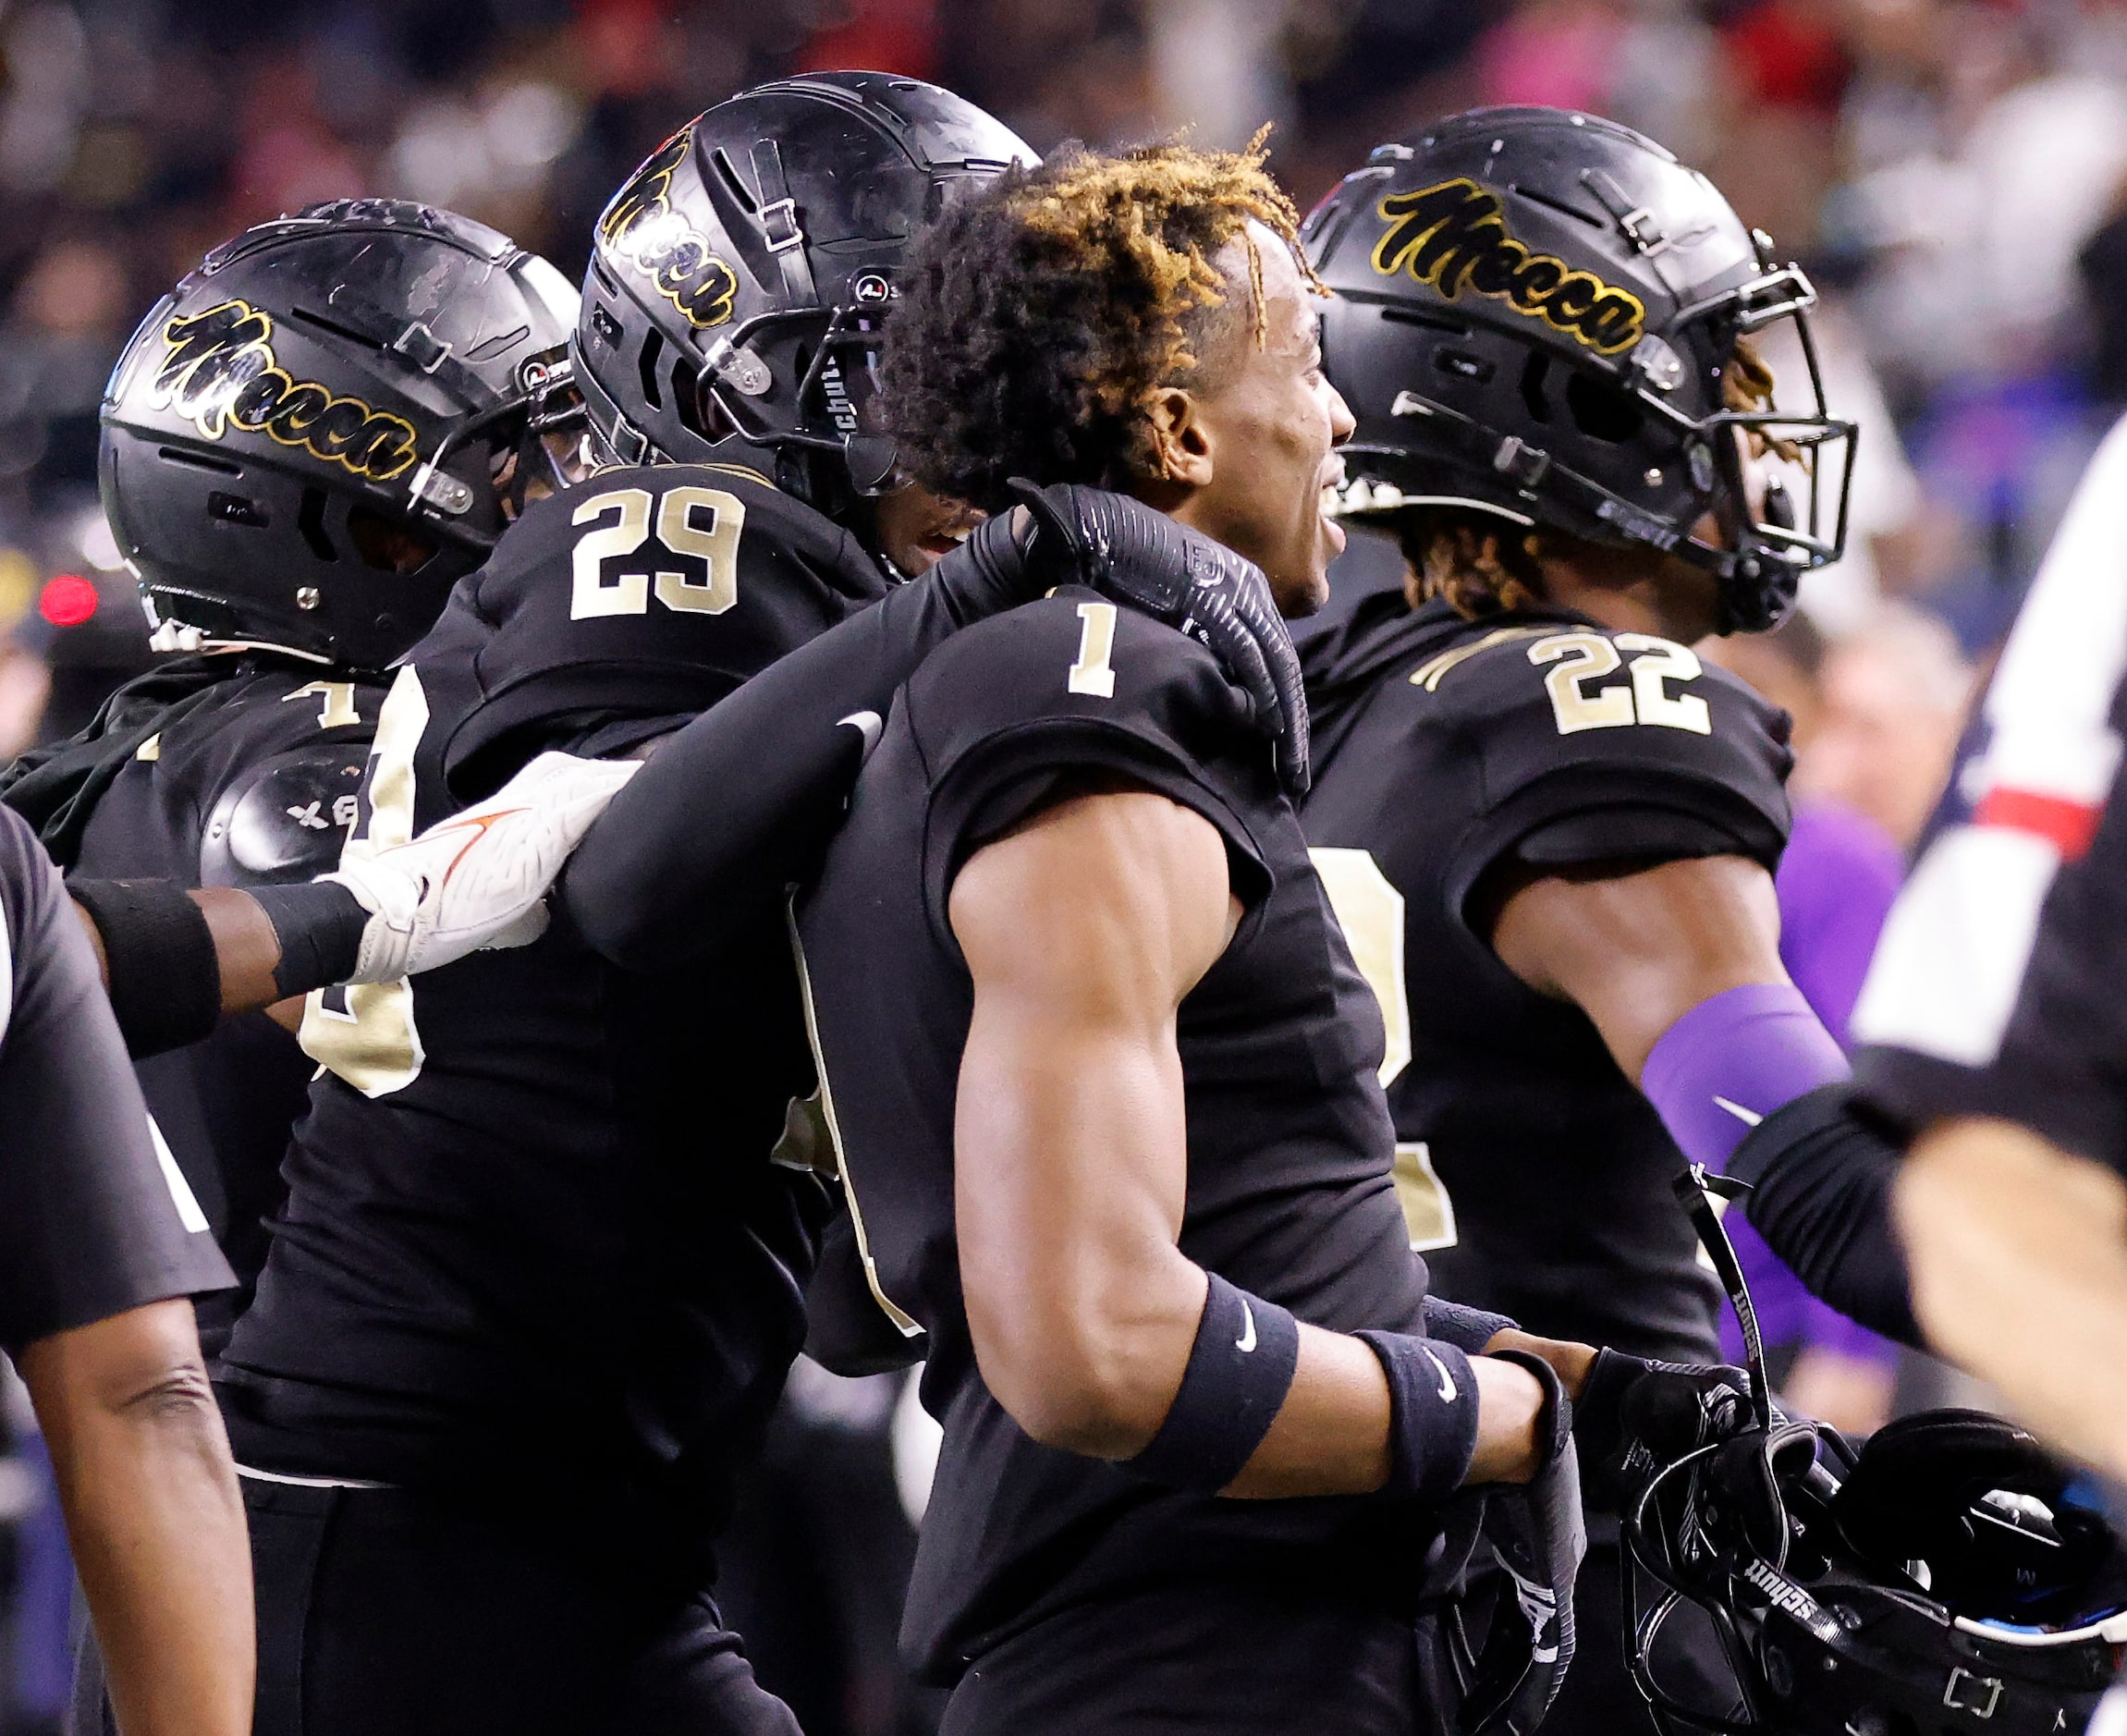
(1733, 1060)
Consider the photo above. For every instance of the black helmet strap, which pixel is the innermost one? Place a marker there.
(779, 223)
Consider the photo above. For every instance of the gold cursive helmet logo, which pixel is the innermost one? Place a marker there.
(1454, 235)
(641, 227)
(218, 371)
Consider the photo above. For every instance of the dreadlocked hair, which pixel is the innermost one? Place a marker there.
(1484, 565)
(1037, 318)
(1481, 564)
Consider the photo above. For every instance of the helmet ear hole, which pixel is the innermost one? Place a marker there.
(1601, 411)
(310, 521)
(646, 367)
(388, 544)
(1534, 371)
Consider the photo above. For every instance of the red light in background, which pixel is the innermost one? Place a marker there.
(67, 600)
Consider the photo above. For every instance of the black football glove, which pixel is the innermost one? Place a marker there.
(1538, 1537)
(1128, 551)
(1635, 1415)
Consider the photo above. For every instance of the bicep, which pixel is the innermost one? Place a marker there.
(1637, 948)
(1083, 931)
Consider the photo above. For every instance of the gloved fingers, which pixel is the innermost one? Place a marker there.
(1060, 538)
(1238, 650)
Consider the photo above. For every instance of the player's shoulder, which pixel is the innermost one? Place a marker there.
(1073, 660)
(1554, 688)
(714, 517)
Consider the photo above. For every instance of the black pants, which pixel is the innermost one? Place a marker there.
(1208, 1659)
(386, 1611)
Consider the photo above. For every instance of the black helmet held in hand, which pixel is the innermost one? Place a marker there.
(1537, 316)
(327, 422)
(1950, 1576)
(739, 282)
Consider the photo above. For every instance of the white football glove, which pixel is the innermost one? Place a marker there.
(480, 878)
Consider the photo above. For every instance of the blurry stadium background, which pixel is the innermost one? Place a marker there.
(1954, 173)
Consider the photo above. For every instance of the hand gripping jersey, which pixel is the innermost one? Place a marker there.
(1534, 1174)
(94, 1220)
(231, 770)
(1290, 1144)
(533, 1232)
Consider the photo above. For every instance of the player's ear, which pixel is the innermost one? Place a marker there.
(1181, 442)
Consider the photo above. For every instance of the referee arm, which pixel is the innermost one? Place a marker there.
(2017, 1251)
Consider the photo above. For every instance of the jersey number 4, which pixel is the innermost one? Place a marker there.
(1584, 658)
(697, 531)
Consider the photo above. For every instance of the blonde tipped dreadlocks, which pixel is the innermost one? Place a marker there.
(1038, 319)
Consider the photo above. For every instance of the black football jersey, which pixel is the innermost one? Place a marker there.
(94, 1220)
(228, 770)
(534, 1227)
(1533, 1173)
(1289, 1142)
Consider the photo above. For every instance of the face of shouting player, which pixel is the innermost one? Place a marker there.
(1247, 450)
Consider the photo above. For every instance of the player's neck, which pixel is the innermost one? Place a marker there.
(1623, 592)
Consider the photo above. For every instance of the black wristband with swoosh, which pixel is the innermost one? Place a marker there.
(1433, 1414)
(1240, 1370)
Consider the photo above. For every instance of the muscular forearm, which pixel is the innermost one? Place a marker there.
(155, 1518)
(175, 960)
(2018, 1260)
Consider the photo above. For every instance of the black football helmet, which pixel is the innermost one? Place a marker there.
(311, 438)
(739, 282)
(1534, 313)
(1950, 1576)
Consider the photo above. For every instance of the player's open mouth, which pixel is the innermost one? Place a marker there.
(1331, 504)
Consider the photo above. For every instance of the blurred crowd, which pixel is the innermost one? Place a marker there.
(1954, 173)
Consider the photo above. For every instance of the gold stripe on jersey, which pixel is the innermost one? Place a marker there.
(1428, 675)
(904, 1322)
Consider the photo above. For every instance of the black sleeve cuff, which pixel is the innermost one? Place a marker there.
(164, 981)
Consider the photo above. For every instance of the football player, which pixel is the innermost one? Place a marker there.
(304, 445)
(1103, 1077)
(1548, 829)
(103, 1244)
(537, 1281)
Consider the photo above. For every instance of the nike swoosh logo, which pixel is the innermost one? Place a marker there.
(1749, 1117)
(1245, 1343)
(478, 825)
(1447, 1380)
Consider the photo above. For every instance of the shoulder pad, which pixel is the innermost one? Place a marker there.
(283, 819)
(1583, 693)
(1613, 744)
(1074, 657)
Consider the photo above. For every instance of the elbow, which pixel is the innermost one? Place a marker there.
(1084, 1382)
(176, 1395)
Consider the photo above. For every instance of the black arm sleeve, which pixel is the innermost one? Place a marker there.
(736, 806)
(1822, 1201)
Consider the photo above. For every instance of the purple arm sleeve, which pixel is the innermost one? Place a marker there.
(1733, 1060)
